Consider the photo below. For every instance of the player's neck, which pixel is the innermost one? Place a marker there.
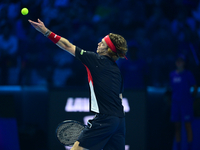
(104, 54)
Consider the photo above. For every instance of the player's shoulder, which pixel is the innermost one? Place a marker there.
(106, 60)
(104, 57)
(83, 52)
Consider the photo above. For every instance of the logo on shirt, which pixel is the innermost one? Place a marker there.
(177, 79)
(82, 51)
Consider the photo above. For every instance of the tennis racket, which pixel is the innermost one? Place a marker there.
(68, 132)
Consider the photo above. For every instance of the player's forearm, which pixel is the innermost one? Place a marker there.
(66, 45)
(61, 42)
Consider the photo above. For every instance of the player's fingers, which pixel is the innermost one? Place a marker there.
(34, 23)
(31, 21)
(39, 20)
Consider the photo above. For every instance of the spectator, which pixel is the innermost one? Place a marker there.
(8, 56)
(182, 101)
(162, 28)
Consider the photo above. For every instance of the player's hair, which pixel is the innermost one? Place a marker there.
(120, 44)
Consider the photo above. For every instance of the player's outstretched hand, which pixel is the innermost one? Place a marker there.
(39, 26)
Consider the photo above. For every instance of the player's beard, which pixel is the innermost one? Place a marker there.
(101, 51)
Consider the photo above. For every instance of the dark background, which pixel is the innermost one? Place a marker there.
(33, 69)
(156, 31)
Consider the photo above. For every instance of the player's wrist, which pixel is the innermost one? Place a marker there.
(52, 36)
(47, 33)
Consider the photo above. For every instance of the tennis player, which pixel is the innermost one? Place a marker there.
(107, 129)
(182, 100)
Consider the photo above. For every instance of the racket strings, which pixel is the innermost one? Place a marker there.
(68, 133)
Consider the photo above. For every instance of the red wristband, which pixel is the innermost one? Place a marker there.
(54, 37)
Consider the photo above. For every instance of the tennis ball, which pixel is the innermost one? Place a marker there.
(24, 11)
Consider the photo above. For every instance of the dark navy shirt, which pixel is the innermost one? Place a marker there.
(105, 83)
(181, 84)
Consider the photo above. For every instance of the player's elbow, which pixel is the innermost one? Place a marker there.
(71, 49)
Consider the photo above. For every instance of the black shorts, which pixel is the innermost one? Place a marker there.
(104, 132)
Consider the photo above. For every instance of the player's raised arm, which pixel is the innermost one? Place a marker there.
(58, 40)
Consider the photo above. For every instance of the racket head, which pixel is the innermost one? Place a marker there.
(68, 132)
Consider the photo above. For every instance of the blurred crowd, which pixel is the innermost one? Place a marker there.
(156, 32)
